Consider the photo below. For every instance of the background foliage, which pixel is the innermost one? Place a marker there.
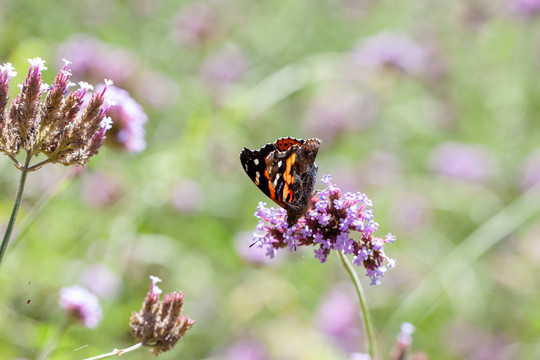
(448, 154)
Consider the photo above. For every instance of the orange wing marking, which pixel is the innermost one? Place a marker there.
(289, 179)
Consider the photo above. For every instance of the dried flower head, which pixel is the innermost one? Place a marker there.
(328, 225)
(81, 304)
(159, 324)
(48, 120)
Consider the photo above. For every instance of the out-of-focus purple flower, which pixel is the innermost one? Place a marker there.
(196, 24)
(525, 8)
(100, 189)
(81, 304)
(339, 110)
(129, 118)
(187, 196)
(411, 212)
(528, 173)
(328, 225)
(462, 161)
(337, 317)
(387, 49)
(245, 350)
(223, 69)
(95, 60)
(101, 280)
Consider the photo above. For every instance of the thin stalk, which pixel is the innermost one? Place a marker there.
(39, 165)
(52, 344)
(42, 203)
(16, 205)
(18, 165)
(370, 339)
(116, 352)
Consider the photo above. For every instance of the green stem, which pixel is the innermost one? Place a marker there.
(370, 339)
(52, 344)
(116, 352)
(16, 205)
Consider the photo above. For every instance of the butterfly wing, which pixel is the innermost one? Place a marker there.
(284, 143)
(255, 166)
(285, 171)
(294, 172)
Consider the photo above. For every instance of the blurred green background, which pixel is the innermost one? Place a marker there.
(436, 120)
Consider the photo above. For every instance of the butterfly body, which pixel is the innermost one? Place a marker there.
(285, 171)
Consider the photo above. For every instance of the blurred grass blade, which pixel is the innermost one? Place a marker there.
(458, 261)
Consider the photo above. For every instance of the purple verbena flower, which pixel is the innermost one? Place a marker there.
(329, 224)
(249, 251)
(81, 304)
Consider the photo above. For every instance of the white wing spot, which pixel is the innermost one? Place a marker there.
(256, 161)
(276, 180)
(279, 164)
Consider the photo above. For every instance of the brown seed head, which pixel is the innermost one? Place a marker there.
(54, 125)
(160, 324)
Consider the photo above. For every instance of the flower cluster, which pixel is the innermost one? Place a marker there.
(159, 324)
(81, 304)
(48, 120)
(328, 225)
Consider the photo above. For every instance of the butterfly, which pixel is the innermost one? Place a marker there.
(285, 171)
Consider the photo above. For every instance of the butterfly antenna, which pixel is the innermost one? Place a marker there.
(253, 243)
